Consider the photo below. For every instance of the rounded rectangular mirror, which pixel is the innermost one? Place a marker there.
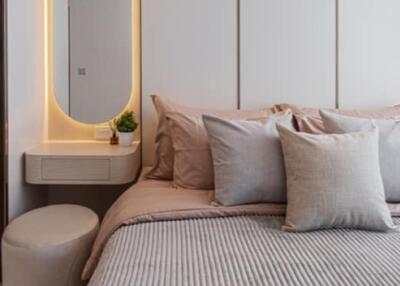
(92, 57)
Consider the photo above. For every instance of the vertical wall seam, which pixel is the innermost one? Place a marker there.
(141, 81)
(238, 55)
(69, 60)
(5, 186)
(337, 102)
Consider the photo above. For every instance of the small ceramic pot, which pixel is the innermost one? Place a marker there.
(125, 138)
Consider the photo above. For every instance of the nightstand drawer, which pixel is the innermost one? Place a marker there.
(76, 169)
(96, 163)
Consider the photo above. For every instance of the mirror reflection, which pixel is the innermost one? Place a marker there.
(92, 57)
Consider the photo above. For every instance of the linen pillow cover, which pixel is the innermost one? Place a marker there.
(164, 153)
(309, 120)
(193, 167)
(334, 181)
(247, 159)
(389, 145)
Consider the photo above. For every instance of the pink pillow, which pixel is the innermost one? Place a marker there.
(309, 120)
(164, 158)
(193, 164)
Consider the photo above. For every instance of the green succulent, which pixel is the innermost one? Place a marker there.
(126, 122)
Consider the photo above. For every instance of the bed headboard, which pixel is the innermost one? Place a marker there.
(254, 53)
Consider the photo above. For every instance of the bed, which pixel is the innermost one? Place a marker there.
(179, 237)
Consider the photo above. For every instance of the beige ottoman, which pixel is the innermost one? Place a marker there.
(48, 246)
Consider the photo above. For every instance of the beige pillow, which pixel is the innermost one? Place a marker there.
(164, 154)
(308, 119)
(334, 181)
(193, 168)
(247, 159)
(389, 145)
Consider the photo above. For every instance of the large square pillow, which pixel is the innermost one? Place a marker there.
(334, 181)
(163, 166)
(389, 145)
(247, 159)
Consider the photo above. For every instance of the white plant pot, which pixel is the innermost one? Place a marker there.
(125, 138)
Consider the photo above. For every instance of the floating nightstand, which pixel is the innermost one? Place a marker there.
(82, 163)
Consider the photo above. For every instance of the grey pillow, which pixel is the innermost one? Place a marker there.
(334, 181)
(389, 145)
(247, 159)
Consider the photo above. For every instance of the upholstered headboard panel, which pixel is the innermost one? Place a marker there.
(253, 53)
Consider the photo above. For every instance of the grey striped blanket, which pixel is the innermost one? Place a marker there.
(245, 250)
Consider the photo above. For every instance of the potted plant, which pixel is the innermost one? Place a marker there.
(126, 124)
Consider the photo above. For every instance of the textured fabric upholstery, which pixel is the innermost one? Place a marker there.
(48, 246)
(389, 145)
(248, 160)
(164, 165)
(334, 181)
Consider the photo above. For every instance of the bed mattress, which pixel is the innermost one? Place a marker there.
(245, 250)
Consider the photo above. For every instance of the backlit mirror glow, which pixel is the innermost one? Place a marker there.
(92, 43)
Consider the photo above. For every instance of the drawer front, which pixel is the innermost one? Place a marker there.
(76, 169)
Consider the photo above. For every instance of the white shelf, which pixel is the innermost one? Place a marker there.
(82, 163)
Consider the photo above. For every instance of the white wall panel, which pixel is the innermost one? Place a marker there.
(287, 52)
(189, 54)
(26, 107)
(369, 53)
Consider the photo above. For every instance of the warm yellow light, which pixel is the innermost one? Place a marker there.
(46, 70)
(58, 125)
(135, 43)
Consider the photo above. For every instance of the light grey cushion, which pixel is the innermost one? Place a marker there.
(389, 145)
(247, 159)
(334, 181)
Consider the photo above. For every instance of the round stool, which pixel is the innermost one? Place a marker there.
(48, 246)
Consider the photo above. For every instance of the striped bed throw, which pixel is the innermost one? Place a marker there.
(246, 250)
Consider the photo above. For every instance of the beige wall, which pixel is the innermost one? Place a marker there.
(287, 52)
(25, 99)
(369, 45)
(189, 55)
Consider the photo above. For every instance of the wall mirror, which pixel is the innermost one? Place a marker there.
(92, 56)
